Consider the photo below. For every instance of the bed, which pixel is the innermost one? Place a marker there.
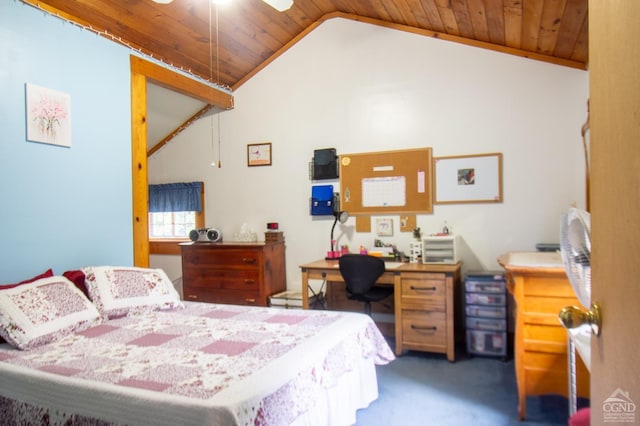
(142, 356)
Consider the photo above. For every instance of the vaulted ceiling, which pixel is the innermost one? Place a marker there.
(229, 43)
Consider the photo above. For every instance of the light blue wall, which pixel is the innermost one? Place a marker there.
(63, 207)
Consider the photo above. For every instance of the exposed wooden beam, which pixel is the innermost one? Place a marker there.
(462, 40)
(172, 80)
(179, 129)
(413, 30)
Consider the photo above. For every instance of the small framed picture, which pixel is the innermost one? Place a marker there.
(384, 227)
(259, 154)
(468, 179)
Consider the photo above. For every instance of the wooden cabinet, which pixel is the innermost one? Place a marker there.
(424, 308)
(540, 348)
(233, 273)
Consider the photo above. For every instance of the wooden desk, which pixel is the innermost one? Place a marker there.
(424, 301)
(541, 289)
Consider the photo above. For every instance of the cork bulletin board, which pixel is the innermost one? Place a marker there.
(387, 182)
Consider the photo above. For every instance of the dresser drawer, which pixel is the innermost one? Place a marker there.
(424, 328)
(228, 258)
(237, 297)
(205, 277)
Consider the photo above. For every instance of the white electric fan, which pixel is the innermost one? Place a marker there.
(575, 248)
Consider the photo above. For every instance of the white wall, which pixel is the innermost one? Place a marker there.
(360, 88)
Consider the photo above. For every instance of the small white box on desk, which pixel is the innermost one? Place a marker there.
(441, 249)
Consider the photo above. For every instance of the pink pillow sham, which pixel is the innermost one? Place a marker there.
(45, 310)
(117, 291)
(46, 274)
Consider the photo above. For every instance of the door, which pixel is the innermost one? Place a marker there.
(614, 56)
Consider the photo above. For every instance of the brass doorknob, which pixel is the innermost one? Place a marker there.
(573, 316)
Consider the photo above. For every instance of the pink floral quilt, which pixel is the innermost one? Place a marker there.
(205, 364)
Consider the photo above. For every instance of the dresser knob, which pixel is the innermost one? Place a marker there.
(192, 296)
(250, 300)
(248, 260)
(249, 281)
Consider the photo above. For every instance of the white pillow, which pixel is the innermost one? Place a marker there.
(43, 311)
(116, 291)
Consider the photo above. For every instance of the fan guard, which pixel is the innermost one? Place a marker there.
(575, 248)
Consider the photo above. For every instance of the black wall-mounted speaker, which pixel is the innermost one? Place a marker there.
(325, 164)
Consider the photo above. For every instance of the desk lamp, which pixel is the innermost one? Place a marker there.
(342, 217)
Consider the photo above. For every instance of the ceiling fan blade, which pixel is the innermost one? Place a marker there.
(279, 5)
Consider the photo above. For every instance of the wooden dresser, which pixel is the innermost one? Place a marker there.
(233, 273)
(540, 287)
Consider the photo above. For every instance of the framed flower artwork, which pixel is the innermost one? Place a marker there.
(48, 116)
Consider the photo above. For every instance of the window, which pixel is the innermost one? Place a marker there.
(174, 210)
(171, 224)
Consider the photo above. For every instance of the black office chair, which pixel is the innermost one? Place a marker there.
(360, 272)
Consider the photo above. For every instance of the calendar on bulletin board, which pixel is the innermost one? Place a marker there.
(386, 182)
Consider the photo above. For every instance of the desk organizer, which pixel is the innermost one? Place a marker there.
(440, 249)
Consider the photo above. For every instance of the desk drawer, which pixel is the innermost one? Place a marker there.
(432, 290)
(535, 305)
(424, 328)
(544, 338)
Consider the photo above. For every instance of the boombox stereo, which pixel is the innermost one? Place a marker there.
(212, 235)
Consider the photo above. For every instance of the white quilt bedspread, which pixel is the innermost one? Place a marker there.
(206, 364)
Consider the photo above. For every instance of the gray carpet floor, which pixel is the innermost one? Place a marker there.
(426, 389)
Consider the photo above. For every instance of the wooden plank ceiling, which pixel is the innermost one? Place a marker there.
(229, 43)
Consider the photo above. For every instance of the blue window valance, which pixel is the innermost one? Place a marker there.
(175, 197)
